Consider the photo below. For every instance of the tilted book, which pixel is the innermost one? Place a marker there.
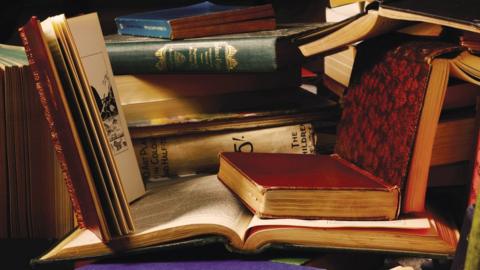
(384, 142)
(392, 15)
(74, 82)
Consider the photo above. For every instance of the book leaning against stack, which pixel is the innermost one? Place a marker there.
(34, 199)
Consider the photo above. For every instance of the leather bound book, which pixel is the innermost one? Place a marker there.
(315, 185)
(64, 135)
(199, 20)
(391, 111)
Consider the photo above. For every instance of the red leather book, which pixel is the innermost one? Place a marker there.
(292, 186)
(391, 111)
(64, 135)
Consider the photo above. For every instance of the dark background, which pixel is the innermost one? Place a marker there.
(15, 13)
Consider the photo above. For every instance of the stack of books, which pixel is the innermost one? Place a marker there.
(187, 100)
(368, 195)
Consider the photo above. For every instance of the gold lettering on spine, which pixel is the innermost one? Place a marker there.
(219, 56)
(230, 52)
(161, 54)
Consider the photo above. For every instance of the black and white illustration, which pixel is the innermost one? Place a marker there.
(101, 85)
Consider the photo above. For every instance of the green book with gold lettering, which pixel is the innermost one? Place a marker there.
(262, 51)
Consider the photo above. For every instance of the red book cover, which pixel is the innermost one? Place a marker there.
(276, 171)
(377, 131)
(63, 134)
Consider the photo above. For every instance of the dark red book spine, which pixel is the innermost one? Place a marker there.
(61, 131)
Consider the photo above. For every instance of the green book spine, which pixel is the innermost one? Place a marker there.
(234, 55)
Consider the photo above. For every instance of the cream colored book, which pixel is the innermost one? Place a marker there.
(160, 157)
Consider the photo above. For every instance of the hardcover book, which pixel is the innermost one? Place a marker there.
(263, 51)
(202, 19)
(392, 15)
(198, 153)
(387, 139)
(463, 15)
(75, 84)
(226, 112)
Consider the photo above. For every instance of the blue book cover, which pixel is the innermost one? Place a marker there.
(189, 20)
(198, 265)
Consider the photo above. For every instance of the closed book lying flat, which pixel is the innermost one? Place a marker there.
(262, 51)
(203, 19)
(307, 186)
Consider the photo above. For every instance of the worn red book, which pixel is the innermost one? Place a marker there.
(75, 84)
(273, 185)
(384, 142)
(64, 135)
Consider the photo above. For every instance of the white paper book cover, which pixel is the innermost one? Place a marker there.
(88, 38)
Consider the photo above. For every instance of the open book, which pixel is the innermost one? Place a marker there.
(392, 15)
(202, 206)
(74, 81)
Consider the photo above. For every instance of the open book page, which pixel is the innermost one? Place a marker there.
(192, 201)
(464, 67)
(89, 41)
(177, 209)
(402, 223)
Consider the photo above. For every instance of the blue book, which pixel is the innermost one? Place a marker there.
(203, 19)
(197, 265)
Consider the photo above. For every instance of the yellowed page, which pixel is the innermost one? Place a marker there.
(88, 38)
(367, 26)
(405, 223)
(171, 210)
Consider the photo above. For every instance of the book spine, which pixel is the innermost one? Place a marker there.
(160, 157)
(143, 27)
(235, 55)
(61, 132)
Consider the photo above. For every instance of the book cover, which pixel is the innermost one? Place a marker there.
(198, 265)
(387, 128)
(63, 135)
(161, 157)
(75, 86)
(316, 187)
(202, 19)
(248, 52)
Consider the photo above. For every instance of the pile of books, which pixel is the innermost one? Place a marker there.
(231, 103)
